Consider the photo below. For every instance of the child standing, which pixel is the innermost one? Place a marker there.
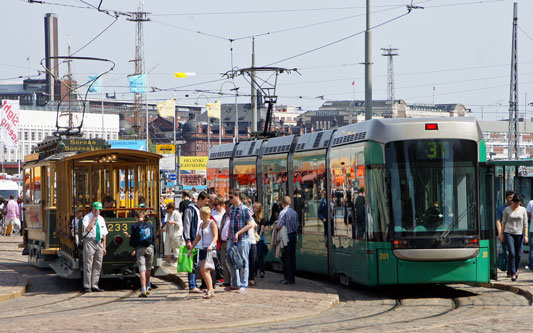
(142, 238)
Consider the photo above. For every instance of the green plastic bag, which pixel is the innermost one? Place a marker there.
(186, 264)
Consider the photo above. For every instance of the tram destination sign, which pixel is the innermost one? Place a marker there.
(83, 145)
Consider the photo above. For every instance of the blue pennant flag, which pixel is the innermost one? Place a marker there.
(95, 84)
(137, 83)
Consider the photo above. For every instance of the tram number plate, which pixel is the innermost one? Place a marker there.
(117, 227)
(384, 256)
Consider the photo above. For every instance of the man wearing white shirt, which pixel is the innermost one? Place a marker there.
(94, 247)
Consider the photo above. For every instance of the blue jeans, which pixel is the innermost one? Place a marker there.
(239, 277)
(530, 251)
(515, 248)
(192, 276)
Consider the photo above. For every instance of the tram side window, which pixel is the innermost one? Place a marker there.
(274, 182)
(309, 186)
(36, 185)
(377, 217)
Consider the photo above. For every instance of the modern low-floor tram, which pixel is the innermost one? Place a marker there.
(387, 201)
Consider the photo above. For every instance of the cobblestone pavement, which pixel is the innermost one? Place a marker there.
(53, 304)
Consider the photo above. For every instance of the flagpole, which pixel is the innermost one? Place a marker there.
(208, 134)
(146, 105)
(102, 100)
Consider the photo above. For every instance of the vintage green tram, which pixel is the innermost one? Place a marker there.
(405, 200)
(66, 175)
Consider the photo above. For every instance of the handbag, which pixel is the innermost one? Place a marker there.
(257, 237)
(502, 257)
(186, 263)
(209, 264)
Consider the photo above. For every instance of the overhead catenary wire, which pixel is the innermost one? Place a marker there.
(339, 40)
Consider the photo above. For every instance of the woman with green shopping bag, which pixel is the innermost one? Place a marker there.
(207, 237)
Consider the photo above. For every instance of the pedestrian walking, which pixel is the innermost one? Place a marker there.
(207, 238)
(12, 217)
(173, 234)
(240, 222)
(224, 232)
(191, 221)
(288, 218)
(262, 248)
(515, 232)
(142, 238)
(94, 247)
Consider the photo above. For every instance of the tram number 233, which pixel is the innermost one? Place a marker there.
(117, 227)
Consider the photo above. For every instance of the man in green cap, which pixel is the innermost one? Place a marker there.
(94, 247)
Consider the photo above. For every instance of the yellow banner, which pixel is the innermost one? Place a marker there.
(166, 108)
(193, 162)
(165, 149)
(213, 109)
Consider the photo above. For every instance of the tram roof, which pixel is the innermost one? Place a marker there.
(130, 154)
(221, 151)
(248, 148)
(315, 140)
(396, 129)
(281, 144)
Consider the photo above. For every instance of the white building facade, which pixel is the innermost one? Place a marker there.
(35, 125)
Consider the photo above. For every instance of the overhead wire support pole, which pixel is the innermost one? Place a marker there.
(390, 52)
(368, 65)
(513, 93)
(139, 17)
(268, 89)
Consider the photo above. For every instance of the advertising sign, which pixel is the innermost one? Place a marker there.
(9, 120)
(192, 180)
(128, 144)
(193, 162)
(165, 149)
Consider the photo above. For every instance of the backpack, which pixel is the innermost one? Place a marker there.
(235, 257)
(145, 234)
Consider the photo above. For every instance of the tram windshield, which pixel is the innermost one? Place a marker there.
(433, 186)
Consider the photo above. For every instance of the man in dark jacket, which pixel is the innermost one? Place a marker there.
(191, 218)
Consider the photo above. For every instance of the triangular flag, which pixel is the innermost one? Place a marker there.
(213, 109)
(166, 108)
(183, 75)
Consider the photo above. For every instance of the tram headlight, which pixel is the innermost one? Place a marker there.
(118, 240)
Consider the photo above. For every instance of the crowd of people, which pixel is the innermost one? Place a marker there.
(229, 235)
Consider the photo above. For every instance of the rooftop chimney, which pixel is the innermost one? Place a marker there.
(51, 50)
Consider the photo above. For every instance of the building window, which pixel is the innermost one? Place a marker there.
(32, 136)
(25, 135)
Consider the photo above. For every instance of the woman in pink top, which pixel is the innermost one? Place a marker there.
(12, 216)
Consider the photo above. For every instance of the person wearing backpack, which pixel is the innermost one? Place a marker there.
(240, 222)
(94, 247)
(142, 238)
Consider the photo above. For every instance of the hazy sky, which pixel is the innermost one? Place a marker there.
(460, 47)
